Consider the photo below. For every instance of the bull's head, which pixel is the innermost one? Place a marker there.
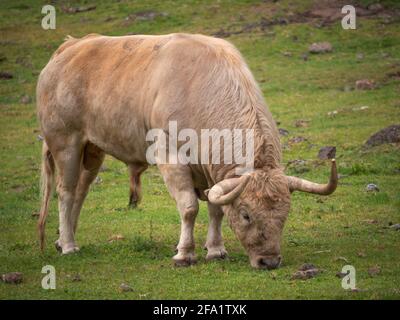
(257, 206)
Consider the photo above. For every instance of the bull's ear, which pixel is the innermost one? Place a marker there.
(227, 190)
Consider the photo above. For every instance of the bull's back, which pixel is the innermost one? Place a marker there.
(114, 89)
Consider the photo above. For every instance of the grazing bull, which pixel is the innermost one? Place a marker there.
(102, 94)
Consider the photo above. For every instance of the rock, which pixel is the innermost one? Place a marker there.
(287, 53)
(375, 7)
(298, 139)
(389, 134)
(360, 56)
(328, 152)
(320, 47)
(283, 132)
(25, 99)
(6, 75)
(371, 187)
(332, 113)
(375, 270)
(145, 15)
(365, 84)
(301, 123)
(299, 166)
(74, 277)
(361, 254)
(78, 9)
(306, 271)
(395, 226)
(12, 277)
(125, 288)
(304, 56)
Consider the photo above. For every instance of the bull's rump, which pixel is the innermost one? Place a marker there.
(112, 90)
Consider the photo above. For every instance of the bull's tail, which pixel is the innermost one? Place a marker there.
(47, 180)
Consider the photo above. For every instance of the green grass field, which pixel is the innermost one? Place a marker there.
(349, 227)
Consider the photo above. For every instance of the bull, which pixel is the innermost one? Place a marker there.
(101, 95)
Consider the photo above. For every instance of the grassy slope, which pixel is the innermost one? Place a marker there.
(316, 232)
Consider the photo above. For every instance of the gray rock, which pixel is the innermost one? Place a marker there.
(12, 277)
(365, 84)
(25, 99)
(371, 187)
(320, 47)
(125, 288)
(389, 134)
(283, 132)
(328, 152)
(395, 226)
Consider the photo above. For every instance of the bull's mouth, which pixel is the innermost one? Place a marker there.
(266, 262)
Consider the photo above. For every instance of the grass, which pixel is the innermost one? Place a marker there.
(349, 227)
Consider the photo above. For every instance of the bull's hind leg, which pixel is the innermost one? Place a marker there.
(135, 194)
(180, 185)
(93, 157)
(68, 160)
(215, 245)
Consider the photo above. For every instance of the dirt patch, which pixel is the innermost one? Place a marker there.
(390, 134)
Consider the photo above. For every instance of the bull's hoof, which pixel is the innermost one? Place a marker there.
(218, 253)
(67, 249)
(133, 204)
(58, 246)
(186, 260)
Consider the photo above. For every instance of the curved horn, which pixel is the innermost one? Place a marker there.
(298, 184)
(227, 190)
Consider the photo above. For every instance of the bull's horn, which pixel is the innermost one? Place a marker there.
(227, 190)
(297, 184)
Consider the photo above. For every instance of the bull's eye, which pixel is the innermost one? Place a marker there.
(245, 215)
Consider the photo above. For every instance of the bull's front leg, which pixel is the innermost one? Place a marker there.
(179, 182)
(215, 245)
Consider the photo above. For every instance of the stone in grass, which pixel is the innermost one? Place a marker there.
(395, 226)
(12, 277)
(389, 134)
(371, 187)
(125, 288)
(74, 277)
(6, 75)
(374, 271)
(328, 152)
(25, 99)
(320, 47)
(365, 84)
(306, 271)
(283, 132)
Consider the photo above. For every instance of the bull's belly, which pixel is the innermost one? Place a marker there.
(128, 148)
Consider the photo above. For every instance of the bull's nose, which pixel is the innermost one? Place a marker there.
(269, 263)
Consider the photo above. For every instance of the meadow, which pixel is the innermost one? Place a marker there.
(312, 96)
